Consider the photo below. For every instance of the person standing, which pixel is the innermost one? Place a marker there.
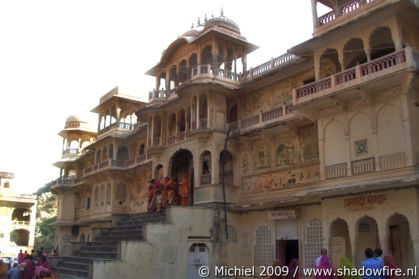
(20, 257)
(378, 254)
(13, 273)
(323, 252)
(372, 265)
(184, 191)
(325, 267)
(3, 270)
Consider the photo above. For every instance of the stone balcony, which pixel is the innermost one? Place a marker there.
(120, 129)
(383, 72)
(199, 74)
(265, 119)
(116, 165)
(64, 182)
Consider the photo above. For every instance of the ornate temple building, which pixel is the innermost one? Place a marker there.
(17, 218)
(318, 147)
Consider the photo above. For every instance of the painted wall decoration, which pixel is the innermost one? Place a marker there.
(265, 183)
(262, 159)
(285, 154)
(309, 142)
(245, 163)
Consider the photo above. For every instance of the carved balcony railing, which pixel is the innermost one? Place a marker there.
(363, 166)
(269, 115)
(336, 170)
(392, 161)
(120, 126)
(342, 10)
(361, 73)
(116, 164)
(314, 87)
(267, 66)
(205, 179)
(261, 120)
(64, 181)
(181, 136)
(171, 139)
(247, 122)
(21, 223)
(228, 178)
(383, 62)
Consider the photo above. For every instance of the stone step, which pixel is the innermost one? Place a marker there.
(74, 259)
(121, 229)
(96, 254)
(102, 243)
(63, 271)
(122, 232)
(119, 238)
(75, 265)
(99, 249)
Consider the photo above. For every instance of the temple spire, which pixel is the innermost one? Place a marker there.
(222, 11)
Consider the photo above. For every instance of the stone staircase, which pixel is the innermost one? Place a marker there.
(105, 245)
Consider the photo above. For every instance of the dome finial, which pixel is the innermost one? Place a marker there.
(205, 19)
(199, 21)
(192, 26)
(222, 11)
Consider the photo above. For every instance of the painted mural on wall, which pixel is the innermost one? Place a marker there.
(275, 181)
(285, 154)
(261, 154)
(309, 143)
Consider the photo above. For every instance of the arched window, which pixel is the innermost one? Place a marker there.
(142, 149)
(329, 63)
(122, 154)
(353, 53)
(121, 193)
(381, 42)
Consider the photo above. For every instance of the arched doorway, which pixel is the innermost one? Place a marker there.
(181, 165)
(339, 243)
(366, 237)
(399, 241)
(198, 256)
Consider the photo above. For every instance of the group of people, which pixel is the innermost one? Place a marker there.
(374, 261)
(163, 193)
(29, 266)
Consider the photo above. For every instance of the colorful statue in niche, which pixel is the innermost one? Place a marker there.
(285, 155)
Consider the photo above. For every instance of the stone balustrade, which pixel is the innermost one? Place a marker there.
(116, 164)
(341, 11)
(262, 119)
(363, 166)
(336, 170)
(357, 75)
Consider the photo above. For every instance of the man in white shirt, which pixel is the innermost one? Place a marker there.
(323, 252)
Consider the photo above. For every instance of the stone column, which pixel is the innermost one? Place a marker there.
(215, 167)
(314, 13)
